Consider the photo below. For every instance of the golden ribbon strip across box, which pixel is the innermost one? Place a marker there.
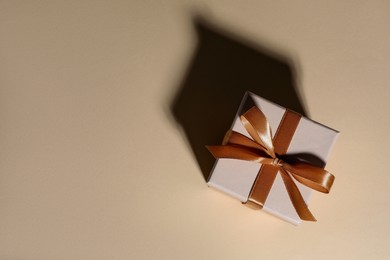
(267, 151)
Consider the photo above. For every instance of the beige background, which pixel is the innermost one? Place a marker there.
(93, 165)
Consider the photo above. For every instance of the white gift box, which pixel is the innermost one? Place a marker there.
(236, 177)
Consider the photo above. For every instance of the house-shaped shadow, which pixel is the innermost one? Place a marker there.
(223, 68)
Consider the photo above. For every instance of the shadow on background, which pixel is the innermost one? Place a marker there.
(222, 69)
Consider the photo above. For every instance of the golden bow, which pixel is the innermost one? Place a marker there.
(261, 150)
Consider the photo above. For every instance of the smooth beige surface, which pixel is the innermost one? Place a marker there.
(93, 165)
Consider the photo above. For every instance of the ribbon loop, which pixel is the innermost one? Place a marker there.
(256, 124)
(313, 177)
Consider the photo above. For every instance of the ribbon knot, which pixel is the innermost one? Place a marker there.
(261, 149)
(277, 162)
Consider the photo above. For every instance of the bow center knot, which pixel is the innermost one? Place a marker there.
(277, 162)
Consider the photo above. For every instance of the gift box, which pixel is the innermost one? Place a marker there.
(273, 159)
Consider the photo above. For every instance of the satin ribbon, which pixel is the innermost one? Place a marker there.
(266, 151)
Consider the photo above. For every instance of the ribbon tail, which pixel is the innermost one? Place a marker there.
(296, 197)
